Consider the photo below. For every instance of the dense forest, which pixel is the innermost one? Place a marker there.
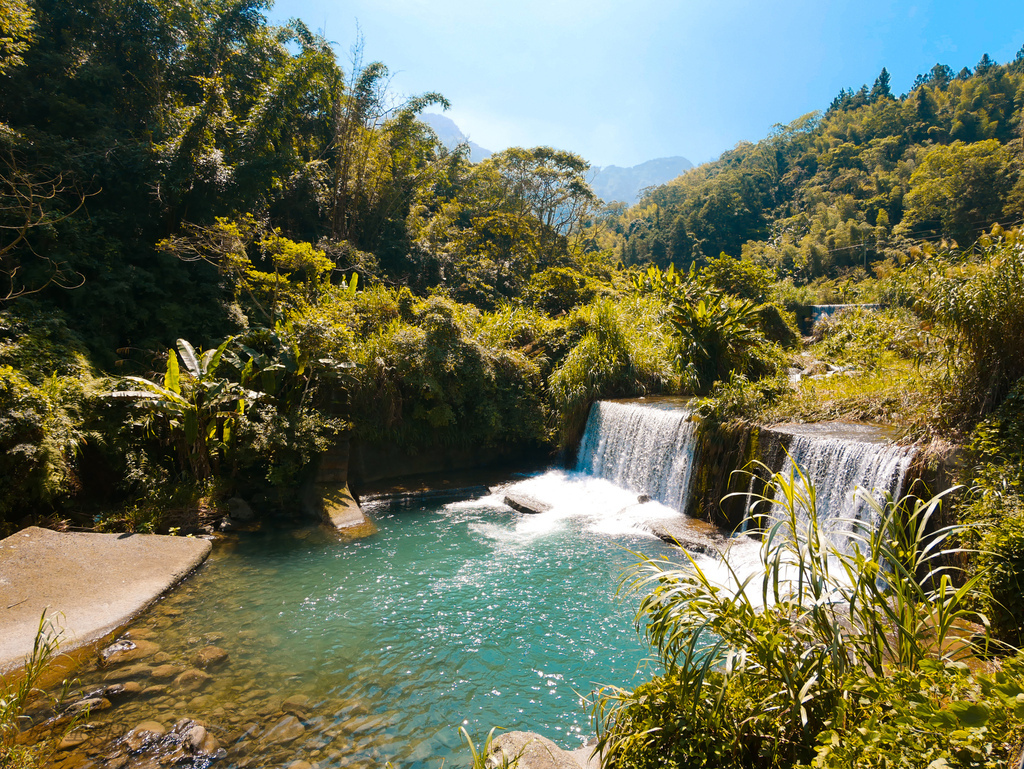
(222, 249)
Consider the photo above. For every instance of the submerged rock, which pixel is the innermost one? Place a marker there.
(286, 730)
(128, 651)
(144, 734)
(210, 657)
(192, 679)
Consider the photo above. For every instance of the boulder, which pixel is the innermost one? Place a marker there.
(239, 510)
(527, 750)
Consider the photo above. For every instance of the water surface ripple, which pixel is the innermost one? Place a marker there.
(467, 614)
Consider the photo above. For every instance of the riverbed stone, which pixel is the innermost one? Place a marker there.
(284, 731)
(165, 672)
(87, 705)
(300, 764)
(297, 704)
(127, 690)
(138, 670)
(192, 680)
(143, 734)
(73, 740)
(127, 650)
(210, 657)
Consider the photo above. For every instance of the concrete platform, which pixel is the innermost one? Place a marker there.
(89, 584)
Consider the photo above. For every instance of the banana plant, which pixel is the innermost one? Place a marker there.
(284, 369)
(199, 408)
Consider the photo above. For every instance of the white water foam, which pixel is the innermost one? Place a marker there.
(596, 504)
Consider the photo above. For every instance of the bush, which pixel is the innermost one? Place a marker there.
(433, 384)
(788, 667)
(860, 337)
(40, 431)
(623, 353)
(559, 289)
(1000, 565)
(977, 299)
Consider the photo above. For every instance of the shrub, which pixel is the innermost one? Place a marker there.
(778, 669)
(860, 337)
(623, 353)
(976, 297)
(559, 289)
(434, 384)
(1000, 565)
(40, 432)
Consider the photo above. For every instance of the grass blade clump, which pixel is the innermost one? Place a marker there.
(827, 654)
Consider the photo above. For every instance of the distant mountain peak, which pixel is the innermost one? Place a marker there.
(625, 184)
(451, 135)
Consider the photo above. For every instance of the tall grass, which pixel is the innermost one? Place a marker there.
(976, 296)
(15, 696)
(759, 666)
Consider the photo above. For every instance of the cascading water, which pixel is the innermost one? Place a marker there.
(844, 467)
(648, 449)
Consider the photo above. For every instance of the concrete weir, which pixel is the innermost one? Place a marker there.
(88, 584)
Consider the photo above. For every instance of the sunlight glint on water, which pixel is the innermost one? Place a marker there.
(468, 614)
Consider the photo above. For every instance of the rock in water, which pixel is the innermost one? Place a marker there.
(192, 679)
(526, 504)
(210, 657)
(286, 730)
(128, 651)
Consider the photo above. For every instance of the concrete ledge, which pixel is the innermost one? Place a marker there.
(89, 584)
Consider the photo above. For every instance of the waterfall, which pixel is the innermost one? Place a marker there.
(647, 448)
(839, 466)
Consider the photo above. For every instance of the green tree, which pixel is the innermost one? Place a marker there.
(16, 25)
(961, 187)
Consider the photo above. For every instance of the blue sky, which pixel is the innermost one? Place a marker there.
(623, 82)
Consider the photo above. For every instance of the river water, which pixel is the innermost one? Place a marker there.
(467, 614)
